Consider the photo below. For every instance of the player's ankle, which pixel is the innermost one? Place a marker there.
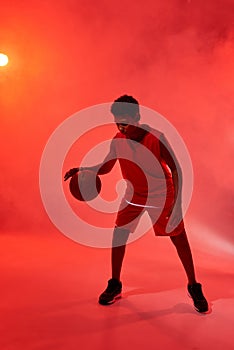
(116, 278)
(192, 281)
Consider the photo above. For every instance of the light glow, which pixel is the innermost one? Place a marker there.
(3, 59)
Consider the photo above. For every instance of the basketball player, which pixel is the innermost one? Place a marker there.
(164, 200)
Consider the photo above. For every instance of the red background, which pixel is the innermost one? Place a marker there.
(174, 56)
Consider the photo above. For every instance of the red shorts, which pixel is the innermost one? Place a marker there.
(129, 216)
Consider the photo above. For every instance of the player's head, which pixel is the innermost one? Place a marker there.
(126, 106)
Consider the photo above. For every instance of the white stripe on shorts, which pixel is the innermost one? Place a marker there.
(140, 205)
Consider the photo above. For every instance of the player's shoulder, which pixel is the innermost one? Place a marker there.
(119, 135)
(153, 133)
(116, 139)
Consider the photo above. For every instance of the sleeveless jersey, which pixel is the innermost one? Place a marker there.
(147, 174)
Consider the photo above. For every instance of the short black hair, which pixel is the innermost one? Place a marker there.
(126, 105)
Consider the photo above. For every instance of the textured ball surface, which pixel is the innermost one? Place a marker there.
(85, 185)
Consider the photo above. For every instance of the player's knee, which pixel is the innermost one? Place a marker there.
(181, 238)
(120, 236)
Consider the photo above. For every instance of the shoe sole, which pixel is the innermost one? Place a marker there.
(118, 296)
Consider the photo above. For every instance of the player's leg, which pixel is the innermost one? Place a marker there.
(178, 237)
(120, 237)
(195, 289)
(182, 246)
(127, 219)
(114, 288)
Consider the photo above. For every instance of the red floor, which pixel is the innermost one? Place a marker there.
(50, 285)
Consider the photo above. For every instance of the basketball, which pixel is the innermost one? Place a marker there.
(85, 185)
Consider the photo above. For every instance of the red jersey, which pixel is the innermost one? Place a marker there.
(147, 174)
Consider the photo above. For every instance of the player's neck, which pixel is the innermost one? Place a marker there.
(138, 133)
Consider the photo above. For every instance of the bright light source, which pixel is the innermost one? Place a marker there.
(3, 59)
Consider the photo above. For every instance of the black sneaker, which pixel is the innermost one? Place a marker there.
(199, 301)
(112, 292)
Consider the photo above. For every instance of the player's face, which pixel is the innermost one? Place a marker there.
(125, 123)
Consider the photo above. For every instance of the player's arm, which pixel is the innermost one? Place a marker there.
(101, 169)
(169, 157)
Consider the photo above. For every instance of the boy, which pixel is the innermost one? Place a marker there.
(160, 195)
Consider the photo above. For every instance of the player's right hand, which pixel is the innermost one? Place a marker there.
(70, 173)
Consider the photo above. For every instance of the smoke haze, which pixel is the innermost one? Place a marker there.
(175, 57)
